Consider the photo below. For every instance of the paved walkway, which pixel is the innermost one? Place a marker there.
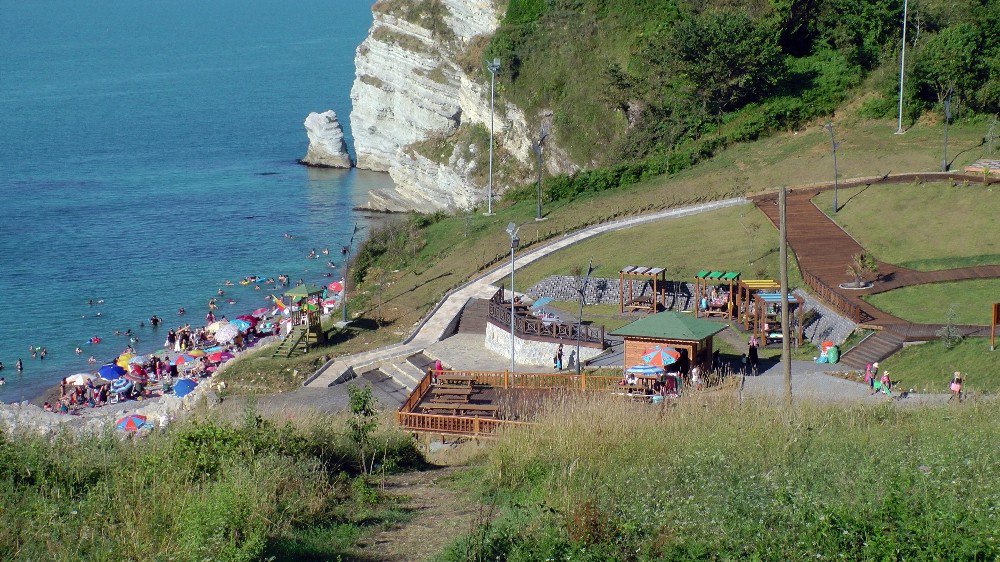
(433, 328)
(823, 250)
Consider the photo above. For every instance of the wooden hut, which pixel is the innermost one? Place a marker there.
(670, 329)
(724, 303)
(653, 277)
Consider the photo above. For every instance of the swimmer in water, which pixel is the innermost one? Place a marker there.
(231, 301)
(90, 302)
(256, 287)
(331, 265)
(91, 360)
(326, 251)
(100, 301)
(312, 253)
(98, 314)
(180, 311)
(78, 351)
(228, 283)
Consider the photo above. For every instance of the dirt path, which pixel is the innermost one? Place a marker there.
(439, 513)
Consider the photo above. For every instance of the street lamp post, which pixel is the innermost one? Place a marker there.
(579, 326)
(512, 230)
(537, 147)
(947, 117)
(833, 147)
(347, 260)
(902, 65)
(494, 67)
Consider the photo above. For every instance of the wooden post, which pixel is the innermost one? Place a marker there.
(993, 327)
(506, 379)
(786, 351)
(621, 292)
(583, 378)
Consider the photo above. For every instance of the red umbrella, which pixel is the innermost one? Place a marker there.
(259, 312)
(137, 376)
(131, 422)
(335, 286)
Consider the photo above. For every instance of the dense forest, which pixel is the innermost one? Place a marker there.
(640, 87)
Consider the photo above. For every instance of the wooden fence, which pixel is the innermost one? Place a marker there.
(472, 426)
(499, 313)
(839, 302)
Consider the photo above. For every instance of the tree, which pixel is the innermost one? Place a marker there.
(732, 58)
(861, 266)
(363, 422)
(949, 61)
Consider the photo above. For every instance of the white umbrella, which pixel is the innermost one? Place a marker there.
(227, 333)
(80, 379)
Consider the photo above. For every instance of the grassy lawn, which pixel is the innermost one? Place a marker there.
(924, 227)
(603, 479)
(928, 367)
(931, 303)
(603, 314)
(716, 240)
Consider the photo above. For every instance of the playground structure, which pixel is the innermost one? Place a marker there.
(715, 302)
(765, 317)
(653, 277)
(745, 292)
(304, 329)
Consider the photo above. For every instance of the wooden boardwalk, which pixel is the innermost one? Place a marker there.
(824, 250)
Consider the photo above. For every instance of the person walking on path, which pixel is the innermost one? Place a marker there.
(886, 383)
(558, 359)
(871, 374)
(752, 356)
(956, 386)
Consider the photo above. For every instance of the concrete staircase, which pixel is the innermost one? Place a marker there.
(385, 389)
(392, 380)
(875, 347)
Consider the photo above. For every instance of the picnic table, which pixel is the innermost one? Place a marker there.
(456, 409)
(464, 380)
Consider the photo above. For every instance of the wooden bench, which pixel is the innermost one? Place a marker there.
(456, 380)
(449, 399)
(489, 409)
(447, 408)
(451, 390)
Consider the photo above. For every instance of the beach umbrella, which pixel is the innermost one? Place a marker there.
(80, 379)
(214, 326)
(259, 313)
(645, 370)
(131, 422)
(184, 387)
(661, 356)
(247, 317)
(196, 353)
(335, 287)
(121, 385)
(137, 376)
(215, 356)
(123, 360)
(111, 371)
(241, 325)
(227, 333)
(183, 358)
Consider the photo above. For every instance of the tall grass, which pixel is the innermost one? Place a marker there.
(200, 491)
(606, 480)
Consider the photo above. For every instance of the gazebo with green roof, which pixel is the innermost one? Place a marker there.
(723, 305)
(300, 292)
(681, 331)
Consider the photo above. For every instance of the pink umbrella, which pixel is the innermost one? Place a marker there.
(335, 286)
(260, 312)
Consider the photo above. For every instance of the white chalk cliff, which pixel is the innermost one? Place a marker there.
(418, 115)
(326, 141)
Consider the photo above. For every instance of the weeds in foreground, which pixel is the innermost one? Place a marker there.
(601, 479)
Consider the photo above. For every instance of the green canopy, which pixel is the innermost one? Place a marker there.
(302, 291)
(671, 326)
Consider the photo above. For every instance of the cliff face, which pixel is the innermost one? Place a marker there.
(418, 114)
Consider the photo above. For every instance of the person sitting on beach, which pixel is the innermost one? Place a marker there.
(47, 407)
(63, 407)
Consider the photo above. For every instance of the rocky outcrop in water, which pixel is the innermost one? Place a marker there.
(421, 106)
(327, 148)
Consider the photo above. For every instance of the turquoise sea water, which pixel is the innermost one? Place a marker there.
(147, 153)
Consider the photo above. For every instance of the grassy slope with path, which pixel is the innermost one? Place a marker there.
(928, 367)
(683, 246)
(931, 304)
(923, 227)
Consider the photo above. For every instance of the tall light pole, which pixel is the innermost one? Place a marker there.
(347, 260)
(512, 231)
(833, 147)
(947, 117)
(537, 147)
(902, 65)
(579, 326)
(786, 350)
(494, 67)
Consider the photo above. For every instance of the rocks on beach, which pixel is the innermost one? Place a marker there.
(327, 148)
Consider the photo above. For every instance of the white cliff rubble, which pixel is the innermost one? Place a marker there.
(411, 97)
(326, 141)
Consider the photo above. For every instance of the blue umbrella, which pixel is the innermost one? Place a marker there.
(645, 370)
(111, 371)
(121, 385)
(541, 302)
(241, 325)
(184, 387)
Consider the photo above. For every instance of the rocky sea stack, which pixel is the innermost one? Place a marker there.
(327, 148)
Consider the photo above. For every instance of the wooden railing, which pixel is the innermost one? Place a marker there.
(590, 336)
(410, 420)
(839, 302)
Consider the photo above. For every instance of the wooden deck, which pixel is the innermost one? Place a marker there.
(824, 250)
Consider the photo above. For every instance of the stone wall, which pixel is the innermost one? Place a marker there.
(828, 325)
(602, 290)
(528, 352)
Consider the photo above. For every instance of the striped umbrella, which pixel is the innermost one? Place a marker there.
(131, 422)
(121, 385)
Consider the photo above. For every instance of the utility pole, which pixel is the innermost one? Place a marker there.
(833, 147)
(493, 67)
(512, 230)
(786, 350)
(902, 66)
(583, 298)
(947, 117)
